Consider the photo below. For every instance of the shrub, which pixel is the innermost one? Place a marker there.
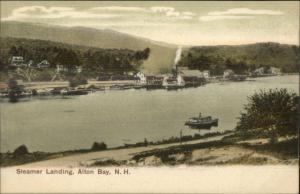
(273, 112)
(98, 146)
(21, 150)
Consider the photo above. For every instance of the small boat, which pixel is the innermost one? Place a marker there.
(202, 122)
(73, 92)
(43, 92)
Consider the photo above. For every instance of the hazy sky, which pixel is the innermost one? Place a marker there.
(192, 23)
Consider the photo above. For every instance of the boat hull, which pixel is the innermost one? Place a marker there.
(208, 125)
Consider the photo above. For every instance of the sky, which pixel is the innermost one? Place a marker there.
(177, 22)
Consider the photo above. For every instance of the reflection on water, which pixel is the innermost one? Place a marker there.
(118, 117)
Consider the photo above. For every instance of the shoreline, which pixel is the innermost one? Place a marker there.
(42, 155)
(218, 149)
(62, 88)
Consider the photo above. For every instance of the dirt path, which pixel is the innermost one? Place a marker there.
(120, 154)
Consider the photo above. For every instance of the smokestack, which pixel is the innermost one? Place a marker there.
(177, 57)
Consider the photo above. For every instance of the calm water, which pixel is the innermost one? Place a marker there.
(118, 117)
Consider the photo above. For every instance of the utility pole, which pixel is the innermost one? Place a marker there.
(180, 136)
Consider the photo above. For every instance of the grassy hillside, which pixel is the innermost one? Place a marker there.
(242, 57)
(161, 57)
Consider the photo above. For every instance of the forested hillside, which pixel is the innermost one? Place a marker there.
(94, 60)
(242, 58)
(161, 57)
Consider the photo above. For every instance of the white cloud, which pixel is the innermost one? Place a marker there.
(158, 9)
(119, 8)
(172, 12)
(246, 11)
(33, 13)
(223, 17)
(237, 14)
(42, 12)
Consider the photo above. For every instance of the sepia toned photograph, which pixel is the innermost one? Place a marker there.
(149, 96)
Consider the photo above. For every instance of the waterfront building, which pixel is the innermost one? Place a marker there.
(142, 79)
(228, 73)
(191, 77)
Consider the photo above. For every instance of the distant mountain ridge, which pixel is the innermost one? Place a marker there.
(161, 55)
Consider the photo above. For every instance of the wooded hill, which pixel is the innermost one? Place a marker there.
(93, 59)
(242, 58)
(161, 57)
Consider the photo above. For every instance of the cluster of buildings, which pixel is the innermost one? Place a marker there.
(19, 62)
(266, 71)
(259, 72)
(183, 77)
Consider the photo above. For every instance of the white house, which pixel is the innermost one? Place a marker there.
(31, 64)
(274, 71)
(259, 71)
(228, 73)
(43, 64)
(60, 68)
(78, 69)
(206, 74)
(142, 79)
(17, 61)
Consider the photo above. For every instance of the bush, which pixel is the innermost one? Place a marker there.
(21, 150)
(98, 146)
(273, 112)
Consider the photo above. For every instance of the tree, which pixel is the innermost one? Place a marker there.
(99, 146)
(273, 112)
(14, 90)
(21, 150)
(146, 53)
(13, 51)
(2, 64)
